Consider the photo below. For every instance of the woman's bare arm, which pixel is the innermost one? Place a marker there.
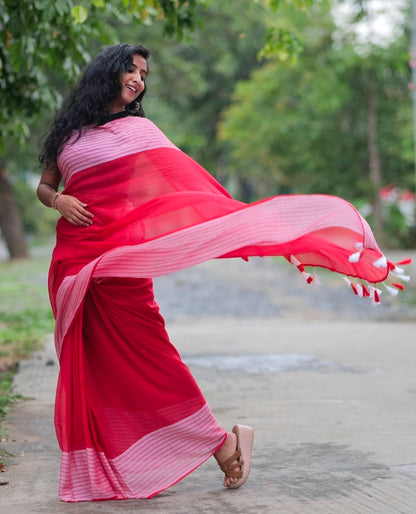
(70, 207)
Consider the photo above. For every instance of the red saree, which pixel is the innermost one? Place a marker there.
(130, 419)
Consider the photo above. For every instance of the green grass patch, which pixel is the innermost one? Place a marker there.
(25, 314)
(23, 284)
(7, 397)
(23, 332)
(25, 320)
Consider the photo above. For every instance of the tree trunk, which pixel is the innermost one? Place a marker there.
(10, 222)
(374, 162)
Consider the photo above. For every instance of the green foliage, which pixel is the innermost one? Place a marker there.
(398, 234)
(22, 332)
(191, 83)
(25, 319)
(302, 127)
(36, 219)
(23, 285)
(298, 119)
(43, 44)
(7, 398)
(178, 15)
(45, 39)
(283, 41)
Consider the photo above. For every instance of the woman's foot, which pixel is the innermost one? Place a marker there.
(226, 450)
(234, 456)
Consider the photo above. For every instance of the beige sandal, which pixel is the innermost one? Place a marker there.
(241, 458)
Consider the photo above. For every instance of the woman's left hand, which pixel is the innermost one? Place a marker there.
(73, 210)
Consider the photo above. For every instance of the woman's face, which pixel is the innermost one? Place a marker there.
(132, 84)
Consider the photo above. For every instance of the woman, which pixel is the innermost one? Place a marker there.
(129, 417)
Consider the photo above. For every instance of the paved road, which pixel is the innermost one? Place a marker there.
(328, 382)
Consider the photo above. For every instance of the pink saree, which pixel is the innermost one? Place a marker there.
(129, 417)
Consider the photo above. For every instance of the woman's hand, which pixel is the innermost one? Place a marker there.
(73, 210)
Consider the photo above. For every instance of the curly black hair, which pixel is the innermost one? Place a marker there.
(87, 103)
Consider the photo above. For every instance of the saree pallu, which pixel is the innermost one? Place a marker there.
(129, 417)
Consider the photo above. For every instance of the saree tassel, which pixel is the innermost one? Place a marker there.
(366, 292)
(398, 273)
(359, 288)
(355, 257)
(405, 278)
(294, 261)
(354, 288)
(391, 265)
(380, 263)
(307, 276)
(352, 285)
(391, 290)
(375, 295)
(405, 262)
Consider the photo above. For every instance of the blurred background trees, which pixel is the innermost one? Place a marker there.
(271, 96)
(338, 121)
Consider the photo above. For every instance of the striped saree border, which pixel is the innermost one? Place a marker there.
(152, 464)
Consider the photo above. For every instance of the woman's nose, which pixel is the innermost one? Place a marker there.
(138, 79)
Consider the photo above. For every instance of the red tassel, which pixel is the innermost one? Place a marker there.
(404, 262)
(354, 289)
(399, 286)
(366, 292)
(301, 268)
(376, 296)
(309, 279)
(391, 265)
(245, 258)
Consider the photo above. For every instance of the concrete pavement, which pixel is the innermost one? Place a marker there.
(333, 404)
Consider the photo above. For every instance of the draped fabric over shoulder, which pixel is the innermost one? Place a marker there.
(130, 419)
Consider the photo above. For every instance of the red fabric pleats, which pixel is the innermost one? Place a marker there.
(121, 381)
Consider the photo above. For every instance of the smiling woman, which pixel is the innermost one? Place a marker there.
(130, 419)
(132, 84)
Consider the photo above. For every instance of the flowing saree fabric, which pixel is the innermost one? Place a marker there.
(129, 417)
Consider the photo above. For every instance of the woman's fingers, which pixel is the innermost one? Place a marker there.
(79, 219)
(81, 216)
(74, 211)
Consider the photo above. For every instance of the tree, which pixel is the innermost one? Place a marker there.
(283, 123)
(44, 38)
(334, 122)
(43, 41)
(10, 218)
(191, 83)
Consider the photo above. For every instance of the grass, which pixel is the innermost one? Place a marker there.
(7, 398)
(25, 320)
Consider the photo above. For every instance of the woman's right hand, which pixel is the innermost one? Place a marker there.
(73, 210)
